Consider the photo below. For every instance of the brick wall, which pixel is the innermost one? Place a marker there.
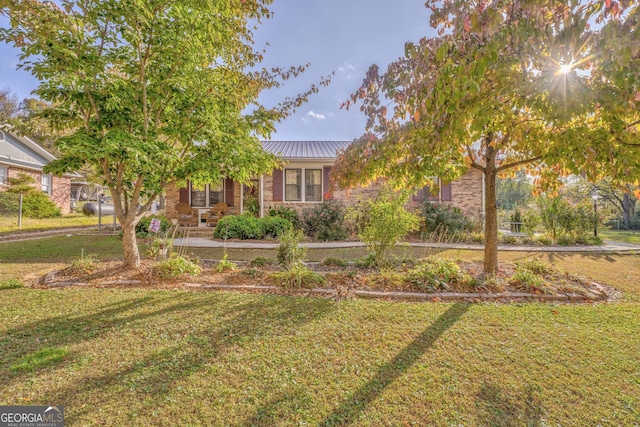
(466, 194)
(61, 193)
(60, 187)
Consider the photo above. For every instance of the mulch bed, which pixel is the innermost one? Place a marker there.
(341, 282)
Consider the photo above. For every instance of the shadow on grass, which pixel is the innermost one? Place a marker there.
(497, 408)
(223, 322)
(349, 411)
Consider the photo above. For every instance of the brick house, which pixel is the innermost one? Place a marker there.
(304, 181)
(19, 154)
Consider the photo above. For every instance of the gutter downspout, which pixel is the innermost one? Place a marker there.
(261, 196)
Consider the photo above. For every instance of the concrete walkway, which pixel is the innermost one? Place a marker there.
(205, 242)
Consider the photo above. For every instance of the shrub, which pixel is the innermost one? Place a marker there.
(563, 221)
(142, 227)
(84, 264)
(325, 221)
(527, 280)
(177, 265)
(290, 253)
(530, 221)
(247, 226)
(160, 247)
(261, 261)
(38, 205)
(444, 219)
(35, 203)
(386, 223)
(334, 262)
(224, 264)
(275, 226)
(535, 265)
(436, 274)
(287, 213)
(299, 276)
(367, 261)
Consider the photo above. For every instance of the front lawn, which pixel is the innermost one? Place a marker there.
(10, 224)
(175, 357)
(133, 357)
(632, 237)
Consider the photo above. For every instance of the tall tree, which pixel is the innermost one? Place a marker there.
(158, 90)
(9, 105)
(506, 84)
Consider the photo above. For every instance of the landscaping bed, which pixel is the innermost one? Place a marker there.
(430, 278)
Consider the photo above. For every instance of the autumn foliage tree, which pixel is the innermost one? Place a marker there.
(548, 86)
(156, 92)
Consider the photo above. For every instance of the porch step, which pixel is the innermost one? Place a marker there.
(196, 231)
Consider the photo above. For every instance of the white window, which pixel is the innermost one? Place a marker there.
(313, 185)
(46, 183)
(303, 185)
(4, 173)
(293, 185)
(208, 195)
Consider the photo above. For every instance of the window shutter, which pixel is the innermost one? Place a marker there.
(184, 195)
(418, 196)
(277, 185)
(326, 183)
(228, 192)
(446, 192)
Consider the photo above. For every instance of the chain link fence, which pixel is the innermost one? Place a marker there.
(10, 210)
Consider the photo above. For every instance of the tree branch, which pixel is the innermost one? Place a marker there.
(518, 163)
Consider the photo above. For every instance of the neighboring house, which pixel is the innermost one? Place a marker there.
(304, 181)
(20, 154)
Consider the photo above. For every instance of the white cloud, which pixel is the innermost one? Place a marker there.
(315, 115)
(347, 67)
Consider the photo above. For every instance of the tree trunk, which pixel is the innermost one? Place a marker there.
(627, 211)
(130, 245)
(490, 214)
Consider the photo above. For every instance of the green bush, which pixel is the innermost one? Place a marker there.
(177, 265)
(565, 222)
(290, 253)
(325, 221)
(445, 219)
(437, 274)
(247, 226)
(261, 261)
(299, 276)
(37, 204)
(142, 227)
(334, 262)
(225, 264)
(386, 223)
(287, 213)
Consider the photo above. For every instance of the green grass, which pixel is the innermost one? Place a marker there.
(34, 257)
(136, 357)
(621, 236)
(140, 357)
(40, 359)
(10, 224)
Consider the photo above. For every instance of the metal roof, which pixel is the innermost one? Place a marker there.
(305, 149)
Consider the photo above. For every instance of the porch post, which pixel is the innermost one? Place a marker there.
(261, 196)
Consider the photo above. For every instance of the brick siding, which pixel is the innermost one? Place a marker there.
(60, 187)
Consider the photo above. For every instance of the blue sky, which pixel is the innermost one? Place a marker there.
(345, 36)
